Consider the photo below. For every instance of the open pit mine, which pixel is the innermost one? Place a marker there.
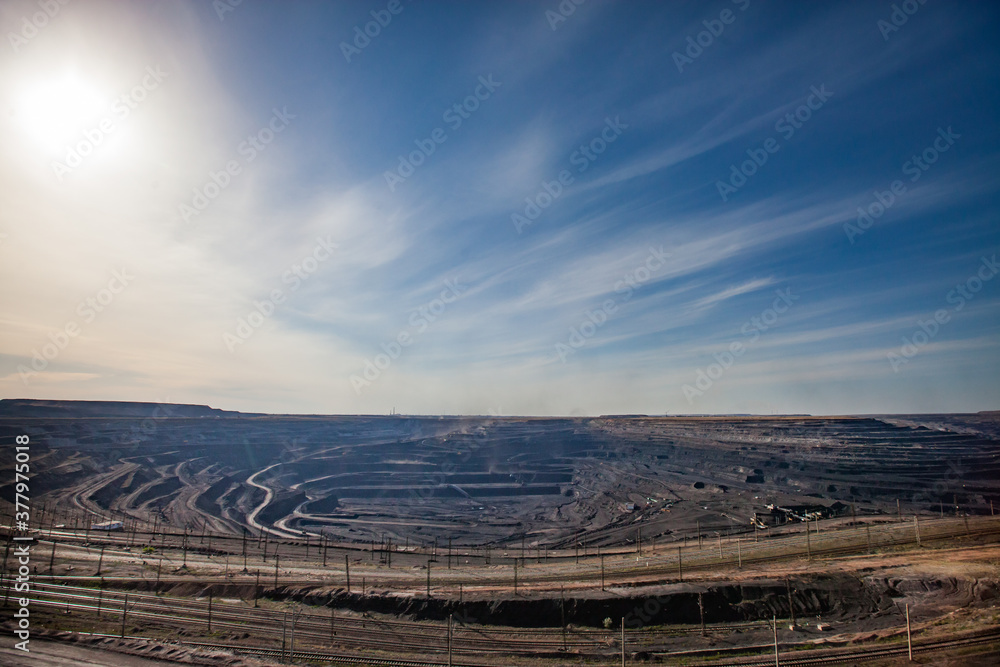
(164, 533)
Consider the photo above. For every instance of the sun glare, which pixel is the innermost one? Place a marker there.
(54, 112)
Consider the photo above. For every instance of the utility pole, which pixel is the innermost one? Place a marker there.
(347, 569)
(739, 553)
(623, 641)
(284, 621)
(562, 614)
(701, 611)
(680, 567)
(774, 626)
(791, 607)
(276, 572)
(809, 555)
(124, 614)
(449, 635)
(210, 613)
(515, 576)
(916, 528)
(602, 572)
(428, 578)
(909, 640)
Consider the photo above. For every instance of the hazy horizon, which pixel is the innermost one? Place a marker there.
(492, 415)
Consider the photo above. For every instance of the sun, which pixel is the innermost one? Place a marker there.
(54, 112)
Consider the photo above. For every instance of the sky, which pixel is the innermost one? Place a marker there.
(508, 208)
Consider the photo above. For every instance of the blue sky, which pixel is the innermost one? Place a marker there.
(565, 234)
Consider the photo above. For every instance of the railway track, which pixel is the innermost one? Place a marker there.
(427, 639)
(360, 632)
(199, 609)
(865, 655)
(649, 569)
(841, 657)
(292, 543)
(313, 656)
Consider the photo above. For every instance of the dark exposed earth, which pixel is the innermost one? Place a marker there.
(499, 481)
(560, 495)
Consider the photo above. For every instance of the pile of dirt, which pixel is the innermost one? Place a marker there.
(835, 597)
(152, 650)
